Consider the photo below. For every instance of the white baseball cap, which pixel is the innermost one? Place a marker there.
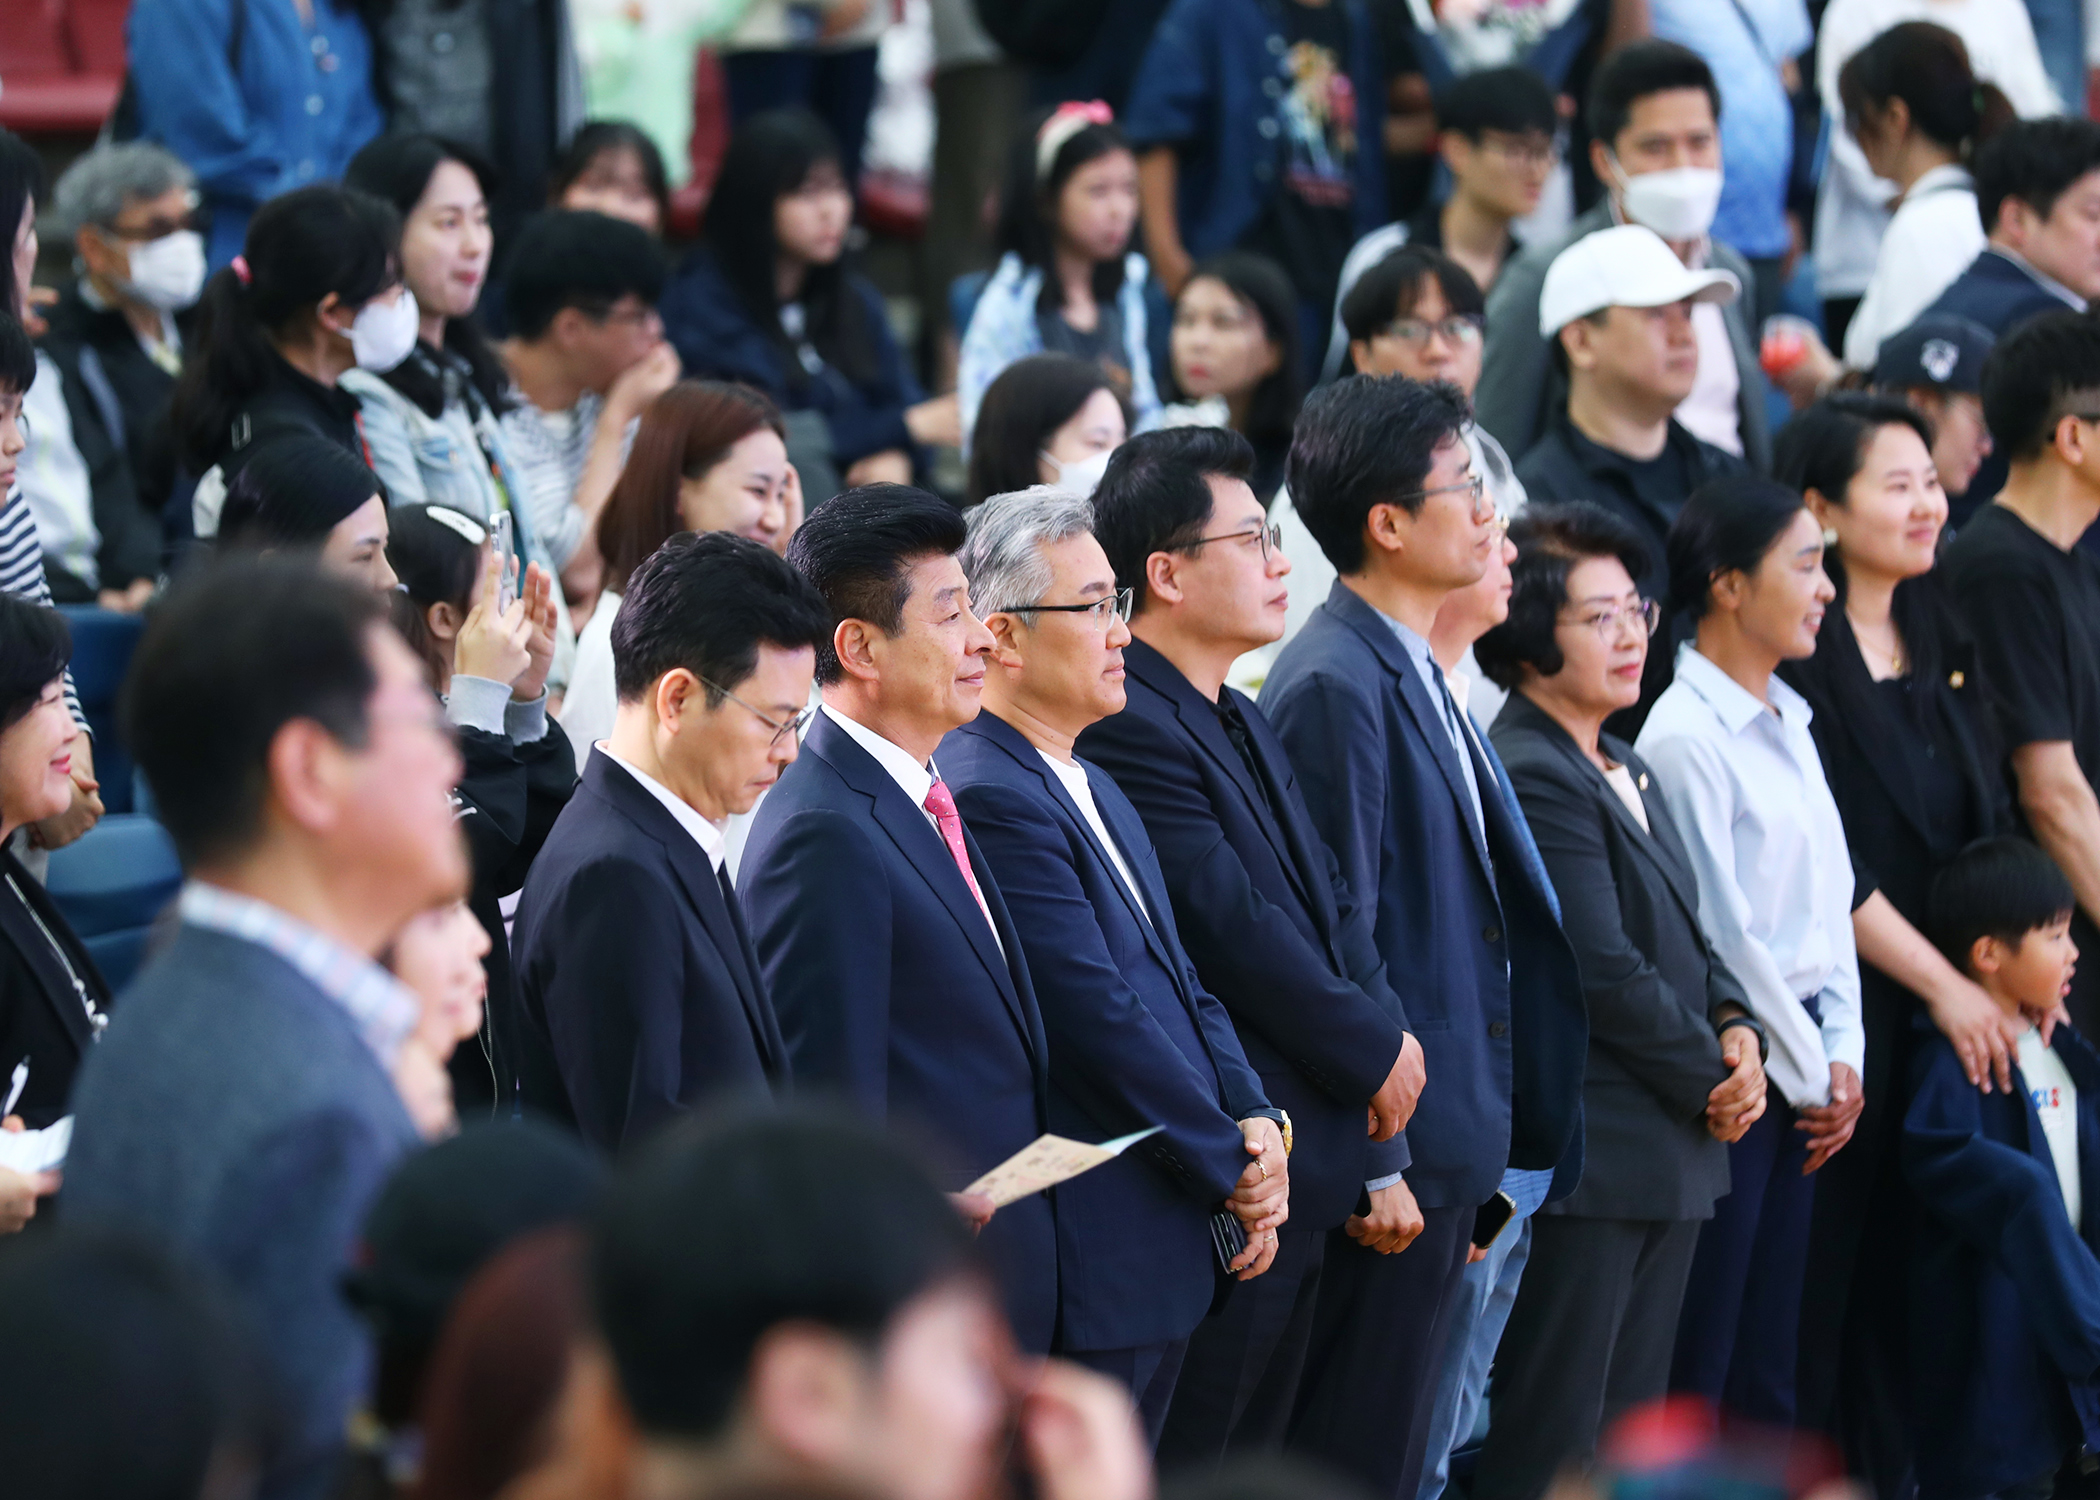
(1624, 266)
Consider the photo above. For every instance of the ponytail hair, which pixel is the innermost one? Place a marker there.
(301, 247)
(1927, 67)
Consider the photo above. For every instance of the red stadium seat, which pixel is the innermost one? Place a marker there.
(61, 65)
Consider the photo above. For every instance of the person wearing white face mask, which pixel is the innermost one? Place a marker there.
(1047, 419)
(1654, 116)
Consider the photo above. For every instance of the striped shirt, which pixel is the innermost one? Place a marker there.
(22, 569)
(549, 449)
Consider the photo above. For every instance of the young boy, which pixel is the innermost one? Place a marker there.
(2005, 1325)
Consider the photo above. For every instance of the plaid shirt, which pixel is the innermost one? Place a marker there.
(383, 1010)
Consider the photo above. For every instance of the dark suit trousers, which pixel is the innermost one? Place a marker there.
(1240, 1376)
(1150, 1371)
(1377, 1353)
(1739, 1337)
(1590, 1337)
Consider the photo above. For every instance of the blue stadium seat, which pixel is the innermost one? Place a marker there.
(103, 641)
(112, 886)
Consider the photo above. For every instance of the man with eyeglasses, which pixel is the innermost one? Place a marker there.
(639, 996)
(1262, 910)
(1135, 1040)
(1403, 789)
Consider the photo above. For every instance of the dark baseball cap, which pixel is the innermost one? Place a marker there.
(1938, 350)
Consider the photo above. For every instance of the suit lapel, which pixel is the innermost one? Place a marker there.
(36, 953)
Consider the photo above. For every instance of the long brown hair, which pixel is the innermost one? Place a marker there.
(685, 432)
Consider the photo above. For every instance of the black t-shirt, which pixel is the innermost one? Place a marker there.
(1104, 345)
(1310, 222)
(1660, 486)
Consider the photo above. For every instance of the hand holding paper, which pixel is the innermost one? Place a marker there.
(1045, 1162)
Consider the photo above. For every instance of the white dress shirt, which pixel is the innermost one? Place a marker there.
(1713, 412)
(711, 838)
(1073, 775)
(1775, 875)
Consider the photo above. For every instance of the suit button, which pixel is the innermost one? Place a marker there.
(1498, 1028)
(1491, 934)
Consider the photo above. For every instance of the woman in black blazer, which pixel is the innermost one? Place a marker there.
(1914, 763)
(1675, 1067)
(53, 1001)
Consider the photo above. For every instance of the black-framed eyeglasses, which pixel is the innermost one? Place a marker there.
(1644, 614)
(1473, 486)
(1271, 540)
(794, 725)
(1115, 606)
(1460, 331)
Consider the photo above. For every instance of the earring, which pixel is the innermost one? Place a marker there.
(1830, 536)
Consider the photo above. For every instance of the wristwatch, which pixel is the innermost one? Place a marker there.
(1283, 1117)
(1751, 1024)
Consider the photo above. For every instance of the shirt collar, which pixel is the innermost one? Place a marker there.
(915, 779)
(381, 1007)
(1733, 704)
(1939, 180)
(713, 842)
(1415, 646)
(2042, 279)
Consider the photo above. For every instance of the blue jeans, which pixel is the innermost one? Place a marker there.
(1488, 1293)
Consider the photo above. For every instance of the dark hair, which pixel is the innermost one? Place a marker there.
(2039, 373)
(231, 655)
(566, 258)
(1367, 440)
(1391, 289)
(2035, 161)
(398, 169)
(704, 1246)
(1515, 101)
(140, 1341)
(301, 247)
(39, 644)
(1030, 400)
(706, 601)
(432, 550)
(1821, 447)
(1634, 72)
(1260, 283)
(1727, 526)
(1927, 67)
(292, 491)
(685, 432)
(858, 548)
(1551, 541)
(1155, 495)
(1028, 206)
(22, 187)
(2001, 888)
(771, 155)
(17, 356)
(596, 138)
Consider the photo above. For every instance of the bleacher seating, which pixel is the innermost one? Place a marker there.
(112, 885)
(102, 645)
(61, 65)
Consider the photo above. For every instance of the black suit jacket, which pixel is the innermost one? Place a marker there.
(1273, 929)
(639, 993)
(41, 1018)
(1630, 905)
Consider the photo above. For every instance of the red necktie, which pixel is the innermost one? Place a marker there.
(941, 804)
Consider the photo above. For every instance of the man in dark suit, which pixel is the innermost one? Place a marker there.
(241, 1107)
(1274, 932)
(713, 651)
(1134, 1039)
(1401, 790)
(897, 972)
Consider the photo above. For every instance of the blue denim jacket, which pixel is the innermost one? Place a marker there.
(1213, 84)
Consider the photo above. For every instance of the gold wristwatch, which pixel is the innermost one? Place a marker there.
(1286, 1114)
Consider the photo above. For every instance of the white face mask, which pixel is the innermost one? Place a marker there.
(1677, 204)
(167, 273)
(1083, 475)
(383, 333)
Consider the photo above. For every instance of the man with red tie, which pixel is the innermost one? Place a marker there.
(892, 961)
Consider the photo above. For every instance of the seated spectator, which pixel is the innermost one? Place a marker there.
(1261, 129)
(1919, 115)
(767, 299)
(708, 456)
(1654, 119)
(1496, 132)
(612, 168)
(316, 294)
(586, 354)
(1068, 281)
(1936, 364)
(1048, 419)
(120, 326)
(1234, 353)
(489, 663)
(307, 495)
(259, 102)
(744, 1347)
(1618, 307)
(438, 956)
(2005, 1287)
(300, 766)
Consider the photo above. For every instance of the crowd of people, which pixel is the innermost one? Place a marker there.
(1456, 585)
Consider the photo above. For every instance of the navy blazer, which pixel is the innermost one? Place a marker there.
(892, 992)
(1274, 932)
(618, 1035)
(2005, 1306)
(1468, 929)
(1134, 1040)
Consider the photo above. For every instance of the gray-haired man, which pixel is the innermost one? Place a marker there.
(1134, 1039)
